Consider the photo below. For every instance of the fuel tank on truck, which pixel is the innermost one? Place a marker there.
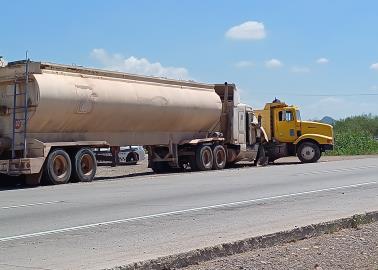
(69, 103)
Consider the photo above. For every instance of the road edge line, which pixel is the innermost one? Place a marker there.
(197, 256)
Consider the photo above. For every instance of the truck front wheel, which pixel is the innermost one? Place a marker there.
(308, 152)
(58, 167)
(84, 166)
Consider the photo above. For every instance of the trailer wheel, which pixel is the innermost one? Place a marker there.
(204, 158)
(308, 152)
(220, 157)
(58, 167)
(84, 166)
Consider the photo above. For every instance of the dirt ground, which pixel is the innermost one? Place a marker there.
(346, 249)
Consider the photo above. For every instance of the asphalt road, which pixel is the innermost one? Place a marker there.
(115, 222)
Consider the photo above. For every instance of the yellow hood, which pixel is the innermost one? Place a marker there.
(308, 127)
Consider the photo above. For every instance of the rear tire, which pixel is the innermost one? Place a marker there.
(220, 157)
(204, 158)
(58, 167)
(308, 152)
(84, 166)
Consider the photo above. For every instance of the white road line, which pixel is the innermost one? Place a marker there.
(29, 205)
(178, 212)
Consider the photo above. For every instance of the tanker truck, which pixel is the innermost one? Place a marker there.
(52, 116)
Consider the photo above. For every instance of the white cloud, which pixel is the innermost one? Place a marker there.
(273, 63)
(244, 64)
(138, 65)
(300, 70)
(322, 61)
(374, 66)
(250, 30)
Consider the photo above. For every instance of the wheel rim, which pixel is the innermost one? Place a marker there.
(220, 157)
(207, 158)
(60, 166)
(86, 164)
(308, 152)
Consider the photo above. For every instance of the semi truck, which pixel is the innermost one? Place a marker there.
(53, 115)
(288, 135)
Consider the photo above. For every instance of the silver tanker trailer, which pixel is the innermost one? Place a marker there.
(52, 115)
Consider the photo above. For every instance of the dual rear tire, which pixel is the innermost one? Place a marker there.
(60, 168)
(208, 158)
(84, 166)
(220, 157)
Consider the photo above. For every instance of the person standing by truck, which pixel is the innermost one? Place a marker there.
(115, 157)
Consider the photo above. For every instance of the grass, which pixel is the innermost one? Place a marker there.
(356, 136)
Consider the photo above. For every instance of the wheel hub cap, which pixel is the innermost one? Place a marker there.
(308, 152)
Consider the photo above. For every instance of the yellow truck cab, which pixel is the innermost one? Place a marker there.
(289, 136)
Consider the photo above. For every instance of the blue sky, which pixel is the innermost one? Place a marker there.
(320, 55)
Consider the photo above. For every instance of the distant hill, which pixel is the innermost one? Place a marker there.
(328, 120)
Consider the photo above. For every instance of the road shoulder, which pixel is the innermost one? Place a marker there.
(323, 239)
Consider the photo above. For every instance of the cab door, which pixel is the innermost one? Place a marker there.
(241, 125)
(285, 125)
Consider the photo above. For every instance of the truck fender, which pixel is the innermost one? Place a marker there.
(320, 139)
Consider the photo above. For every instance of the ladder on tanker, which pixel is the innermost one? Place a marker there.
(20, 113)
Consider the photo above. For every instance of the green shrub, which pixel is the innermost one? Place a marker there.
(365, 122)
(356, 136)
(354, 143)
